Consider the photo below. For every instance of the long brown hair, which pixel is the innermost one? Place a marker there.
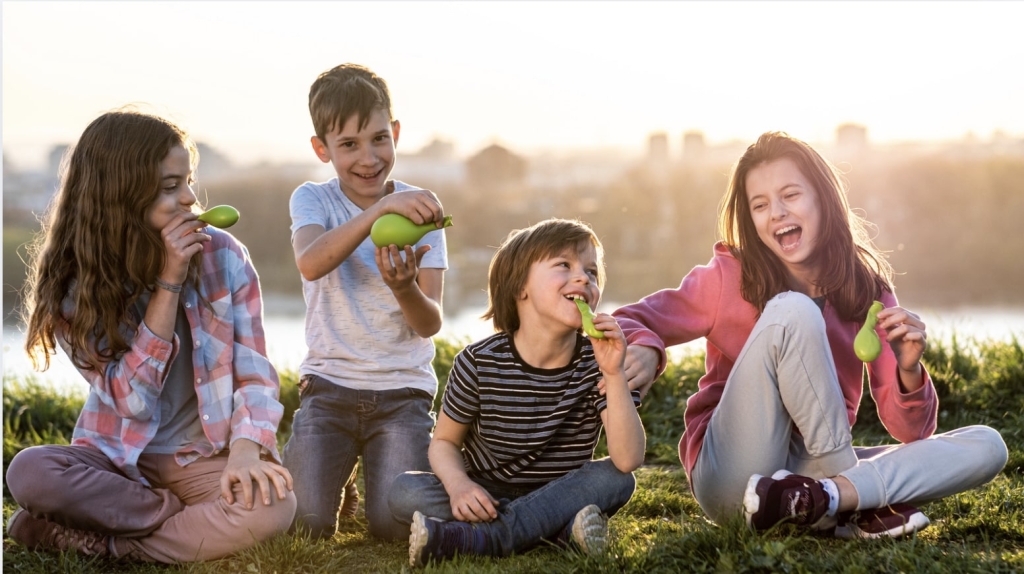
(510, 267)
(853, 271)
(96, 252)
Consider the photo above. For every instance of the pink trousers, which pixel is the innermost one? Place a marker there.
(183, 518)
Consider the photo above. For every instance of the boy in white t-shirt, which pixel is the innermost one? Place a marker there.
(367, 384)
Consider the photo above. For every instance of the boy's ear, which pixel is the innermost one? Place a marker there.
(320, 149)
(395, 128)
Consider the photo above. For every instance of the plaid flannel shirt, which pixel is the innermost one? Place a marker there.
(237, 387)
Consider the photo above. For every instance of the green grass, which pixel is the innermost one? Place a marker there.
(662, 529)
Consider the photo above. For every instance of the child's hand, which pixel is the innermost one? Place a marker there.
(245, 467)
(472, 503)
(905, 332)
(399, 274)
(420, 206)
(609, 351)
(181, 242)
(641, 366)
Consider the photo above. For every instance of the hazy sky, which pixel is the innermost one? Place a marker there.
(532, 75)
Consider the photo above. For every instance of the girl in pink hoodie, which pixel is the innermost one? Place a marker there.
(780, 302)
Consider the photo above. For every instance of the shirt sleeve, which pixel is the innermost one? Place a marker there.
(131, 384)
(306, 207)
(908, 416)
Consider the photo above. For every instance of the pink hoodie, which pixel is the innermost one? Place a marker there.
(708, 304)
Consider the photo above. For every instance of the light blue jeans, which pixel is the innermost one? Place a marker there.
(333, 427)
(525, 517)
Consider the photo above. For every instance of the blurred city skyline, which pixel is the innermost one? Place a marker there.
(533, 77)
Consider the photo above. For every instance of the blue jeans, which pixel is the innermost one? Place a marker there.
(525, 517)
(333, 427)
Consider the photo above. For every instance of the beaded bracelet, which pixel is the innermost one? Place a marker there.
(168, 286)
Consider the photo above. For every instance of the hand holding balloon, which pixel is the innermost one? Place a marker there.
(395, 229)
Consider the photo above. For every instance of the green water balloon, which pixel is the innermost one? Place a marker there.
(395, 229)
(222, 216)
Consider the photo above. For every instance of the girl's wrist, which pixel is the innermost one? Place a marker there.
(168, 286)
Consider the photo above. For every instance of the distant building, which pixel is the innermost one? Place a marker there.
(657, 149)
(694, 147)
(495, 166)
(851, 140)
(433, 165)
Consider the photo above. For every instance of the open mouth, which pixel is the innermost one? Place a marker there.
(370, 176)
(574, 297)
(789, 237)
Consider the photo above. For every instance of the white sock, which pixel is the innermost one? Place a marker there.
(833, 495)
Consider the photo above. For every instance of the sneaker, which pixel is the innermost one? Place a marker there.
(432, 538)
(891, 521)
(785, 497)
(40, 534)
(589, 530)
(350, 502)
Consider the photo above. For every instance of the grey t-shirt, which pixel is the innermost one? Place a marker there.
(179, 406)
(355, 330)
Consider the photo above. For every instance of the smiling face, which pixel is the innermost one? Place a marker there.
(362, 157)
(552, 285)
(785, 211)
(175, 194)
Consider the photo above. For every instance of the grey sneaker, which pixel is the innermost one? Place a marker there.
(40, 534)
(590, 530)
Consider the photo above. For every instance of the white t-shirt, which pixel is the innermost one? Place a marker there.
(355, 330)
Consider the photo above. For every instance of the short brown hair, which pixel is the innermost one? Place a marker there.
(510, 266)
(345, 91)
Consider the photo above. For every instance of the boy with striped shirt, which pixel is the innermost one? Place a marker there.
(522, 412)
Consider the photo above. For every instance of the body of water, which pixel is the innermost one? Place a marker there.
(286, 342)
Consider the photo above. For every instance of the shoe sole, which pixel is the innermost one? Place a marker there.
(417, 539)
(14, 516)
(915, 523)
(590, 530)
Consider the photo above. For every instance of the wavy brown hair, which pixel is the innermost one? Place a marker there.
(853, 271)
(96, 252)
(510, 267)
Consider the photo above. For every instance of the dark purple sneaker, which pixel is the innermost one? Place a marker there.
(435, 539)
(785, 497)
(891, 521)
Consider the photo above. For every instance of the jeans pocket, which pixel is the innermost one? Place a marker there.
(305, 385)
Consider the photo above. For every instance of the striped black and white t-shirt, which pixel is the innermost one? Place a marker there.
(527, 426)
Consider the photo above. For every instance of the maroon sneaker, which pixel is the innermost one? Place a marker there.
(891, 521)
(785, 497)
(40, 534)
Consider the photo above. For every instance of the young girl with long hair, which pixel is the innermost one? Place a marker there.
(780, 303)
(174, 456)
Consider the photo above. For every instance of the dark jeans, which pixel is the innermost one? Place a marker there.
(333, 427)
(525, 517)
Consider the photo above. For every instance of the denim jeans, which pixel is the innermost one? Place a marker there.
(333, 427)
(525, 517)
